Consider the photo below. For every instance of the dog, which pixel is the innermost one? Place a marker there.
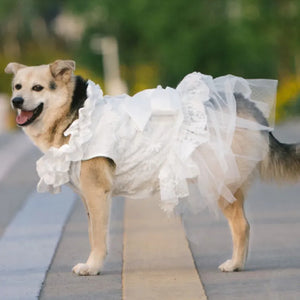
(48, 99)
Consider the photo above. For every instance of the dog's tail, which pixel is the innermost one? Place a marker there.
(282, 162)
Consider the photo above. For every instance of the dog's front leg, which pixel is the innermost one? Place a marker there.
(95, 183)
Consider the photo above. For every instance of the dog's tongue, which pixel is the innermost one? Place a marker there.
(23, 117)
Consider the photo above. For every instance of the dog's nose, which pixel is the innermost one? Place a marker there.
(17, 102)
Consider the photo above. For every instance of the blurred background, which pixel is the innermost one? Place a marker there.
(127, 46)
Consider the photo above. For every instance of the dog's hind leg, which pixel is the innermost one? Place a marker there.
(95, 181)
(239, 227)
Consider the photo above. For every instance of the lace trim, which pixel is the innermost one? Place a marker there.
(192, 133)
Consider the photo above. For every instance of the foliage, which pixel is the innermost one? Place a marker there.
(250, 38)
(288, 98)
(161, 41)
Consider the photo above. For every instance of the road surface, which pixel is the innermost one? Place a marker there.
(42, 236)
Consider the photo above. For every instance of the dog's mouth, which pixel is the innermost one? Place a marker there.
(26, 117)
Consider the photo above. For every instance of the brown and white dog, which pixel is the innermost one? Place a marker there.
(47, 99)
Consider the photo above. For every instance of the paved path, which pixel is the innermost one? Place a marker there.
(157, 260)
(149, 256)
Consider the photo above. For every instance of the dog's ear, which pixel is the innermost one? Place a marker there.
(62, 69)
(13, 68)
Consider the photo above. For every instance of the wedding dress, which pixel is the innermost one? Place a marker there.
(166, 140)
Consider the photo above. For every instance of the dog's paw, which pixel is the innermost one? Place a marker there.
(85, 270)
(230, 266)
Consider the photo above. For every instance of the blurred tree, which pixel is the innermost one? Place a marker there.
(160, 41)
(26, 34)
(251, 38)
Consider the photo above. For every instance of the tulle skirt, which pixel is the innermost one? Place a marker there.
(240, 114)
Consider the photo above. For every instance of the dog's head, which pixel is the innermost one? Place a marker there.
(38, 89)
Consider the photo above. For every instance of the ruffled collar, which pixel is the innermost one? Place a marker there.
(53, 168)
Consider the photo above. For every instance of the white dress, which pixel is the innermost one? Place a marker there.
(175, 141)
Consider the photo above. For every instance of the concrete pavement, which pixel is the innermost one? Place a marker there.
(149, 260)
(157, 260)
(29, 241)
(273, 267)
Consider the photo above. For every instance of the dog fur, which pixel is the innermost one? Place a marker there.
(60, 93)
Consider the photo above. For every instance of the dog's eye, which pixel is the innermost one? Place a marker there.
(18, 86)
(37, 88)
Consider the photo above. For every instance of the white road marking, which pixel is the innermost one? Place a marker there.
(12, 151)
(29, 243)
